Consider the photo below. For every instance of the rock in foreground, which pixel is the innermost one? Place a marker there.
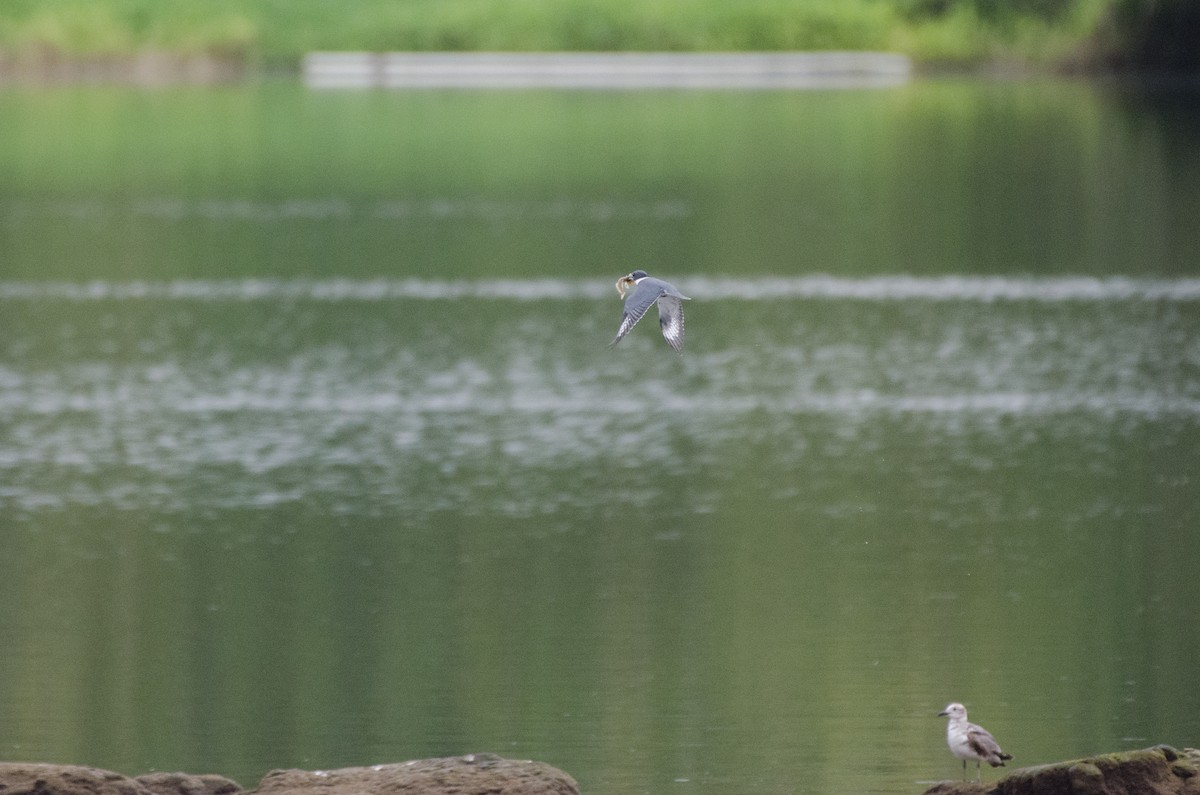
(17, 778)
(475, 774)
(1160, 770)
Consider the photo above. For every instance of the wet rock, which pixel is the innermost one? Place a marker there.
(475, 774)
(1161, 770)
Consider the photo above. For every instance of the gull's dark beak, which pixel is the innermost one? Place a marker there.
(943, 714)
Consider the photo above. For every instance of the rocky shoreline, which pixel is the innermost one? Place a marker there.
(473, 774)
(150, 68)
(1160, 770)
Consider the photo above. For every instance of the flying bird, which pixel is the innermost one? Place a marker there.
(968, 741)
(640, 293)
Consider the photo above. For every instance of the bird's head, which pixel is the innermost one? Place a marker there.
(625, 283)
(953, 711)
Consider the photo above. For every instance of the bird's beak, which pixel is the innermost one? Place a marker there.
(943, 714)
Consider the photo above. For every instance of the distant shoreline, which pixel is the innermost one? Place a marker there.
(509, 70)
(150, 68)
(144, 41)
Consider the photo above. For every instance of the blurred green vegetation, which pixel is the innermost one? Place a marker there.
(276, 33)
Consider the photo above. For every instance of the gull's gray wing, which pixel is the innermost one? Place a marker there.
(670, 318)
(985, 746)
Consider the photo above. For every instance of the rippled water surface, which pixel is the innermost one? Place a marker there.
(261, 507)
(328, 392)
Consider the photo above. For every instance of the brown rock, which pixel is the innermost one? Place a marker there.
(1160, 770)
(18, 778)
(960, 788)
(475, 774)
(188, 784)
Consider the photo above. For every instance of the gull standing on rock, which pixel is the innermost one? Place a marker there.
(643, 291)
(968, 741)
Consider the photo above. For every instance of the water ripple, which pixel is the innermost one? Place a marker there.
(320, 392)
(757, 288)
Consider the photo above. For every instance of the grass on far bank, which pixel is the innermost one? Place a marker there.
(276, 33)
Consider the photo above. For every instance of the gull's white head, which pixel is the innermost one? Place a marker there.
(954, 711)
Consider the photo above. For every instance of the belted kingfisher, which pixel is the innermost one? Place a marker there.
(643, 291)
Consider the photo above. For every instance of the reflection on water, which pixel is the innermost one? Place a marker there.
(425, 210)
(939, 177)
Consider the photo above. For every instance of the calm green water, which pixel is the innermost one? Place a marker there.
(312, 452)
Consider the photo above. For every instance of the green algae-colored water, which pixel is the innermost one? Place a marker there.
(312, 452)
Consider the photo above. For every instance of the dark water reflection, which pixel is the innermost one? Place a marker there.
(285, 482)
(940, 177)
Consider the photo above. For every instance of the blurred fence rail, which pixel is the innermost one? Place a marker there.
(791, 70)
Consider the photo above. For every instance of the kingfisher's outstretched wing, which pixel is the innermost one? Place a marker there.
(670, 318)
(637, 304)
